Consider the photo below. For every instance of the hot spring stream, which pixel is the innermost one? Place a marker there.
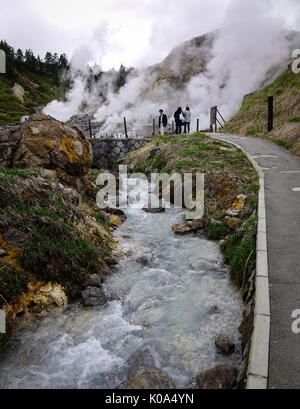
(165, 313)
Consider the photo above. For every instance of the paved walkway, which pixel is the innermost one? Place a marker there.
(282, 175)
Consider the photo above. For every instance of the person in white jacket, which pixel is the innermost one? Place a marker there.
(187, 123)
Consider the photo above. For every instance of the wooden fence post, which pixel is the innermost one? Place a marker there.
(125, 127)
(153, 133)
(198, 124)
(90, 129)
(270, 113)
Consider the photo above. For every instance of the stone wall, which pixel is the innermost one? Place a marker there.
(107, 152)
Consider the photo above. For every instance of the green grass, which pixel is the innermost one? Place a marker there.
(12, 282)
(56, 253)
(24, 174)
(217, 231)
(253, 130)
(87, 200)
(295, 119)
(12, 109)
(239, 250)
(101, 219)
(158, 162)
(252, 187)
(284, 144)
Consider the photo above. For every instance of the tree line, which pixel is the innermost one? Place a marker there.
(52, 66)
(17, 60)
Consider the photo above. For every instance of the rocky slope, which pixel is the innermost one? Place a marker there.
(55, 244)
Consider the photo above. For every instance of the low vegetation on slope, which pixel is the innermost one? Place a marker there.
(55, 244)
(49, 233)
(231, 190)
(251, 120)
(29, 82)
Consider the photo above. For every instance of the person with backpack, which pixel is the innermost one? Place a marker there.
(179, 120)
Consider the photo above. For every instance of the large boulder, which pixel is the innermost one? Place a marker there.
(47, 143)
(148, 378)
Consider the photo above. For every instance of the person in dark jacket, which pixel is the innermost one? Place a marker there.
(178, 120)
(163, 122)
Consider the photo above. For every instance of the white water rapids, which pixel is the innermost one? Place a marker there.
(165, 313)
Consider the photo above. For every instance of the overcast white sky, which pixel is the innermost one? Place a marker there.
(134, 32)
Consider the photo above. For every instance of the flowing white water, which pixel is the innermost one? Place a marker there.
(166, 314)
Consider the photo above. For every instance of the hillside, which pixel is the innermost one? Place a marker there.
(184, 62)
(251, 120)
(55, 243)
(29, 83)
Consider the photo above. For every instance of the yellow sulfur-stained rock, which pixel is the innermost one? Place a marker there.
(45, 142)
(115, 221)
(51, 294)
(38, 297)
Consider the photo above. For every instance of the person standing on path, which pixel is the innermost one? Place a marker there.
(163, 122)
(187, 120)
(179, 119)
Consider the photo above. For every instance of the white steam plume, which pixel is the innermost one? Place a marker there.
(250, 42)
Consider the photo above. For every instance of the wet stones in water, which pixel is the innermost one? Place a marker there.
(94, 280)
(148, 378)
(157, 210)
(145, 357)
(221, 377)
(144, 260)
(224, 345)
(117, 256)
(117, 212)
(181, 229)
(198, 224)
(93, 297)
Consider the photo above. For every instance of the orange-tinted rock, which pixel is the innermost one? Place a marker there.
(47, 143)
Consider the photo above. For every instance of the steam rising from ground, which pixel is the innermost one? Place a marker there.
(250, 43)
